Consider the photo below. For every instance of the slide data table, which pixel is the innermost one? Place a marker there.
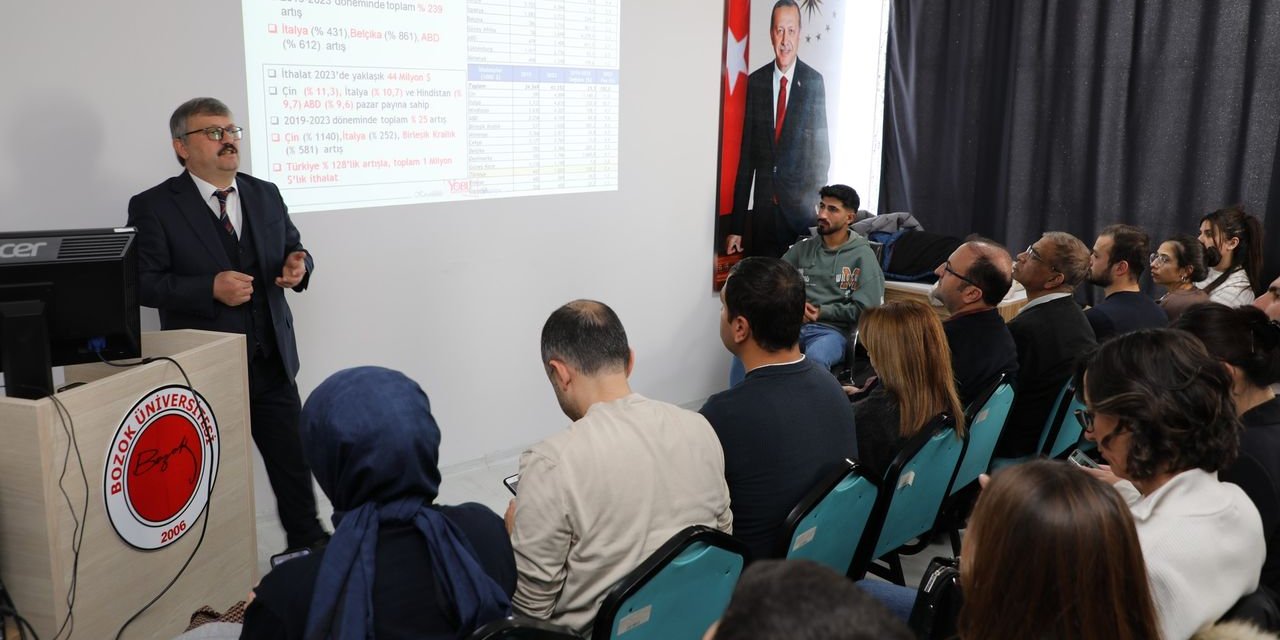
(368, 102)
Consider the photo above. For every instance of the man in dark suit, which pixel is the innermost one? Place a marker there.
(784, 145)
(971, 283)
(208, 242)
(1050, 332)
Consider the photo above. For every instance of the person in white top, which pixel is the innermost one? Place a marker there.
(1232, 242)
(599, 497)
(1160, 408)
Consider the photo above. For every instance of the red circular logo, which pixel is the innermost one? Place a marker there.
(160, 467)
(164, 468)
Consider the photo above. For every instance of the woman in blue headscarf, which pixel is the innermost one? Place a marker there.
(398, 566)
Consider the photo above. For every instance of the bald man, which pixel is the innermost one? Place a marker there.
(971, 284)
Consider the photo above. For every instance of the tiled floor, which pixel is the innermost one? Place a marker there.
(476, 481)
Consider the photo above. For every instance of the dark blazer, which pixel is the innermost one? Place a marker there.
(179, 254)
(1257, 471)
(981, 349)
(1050, 337)
(796, 167)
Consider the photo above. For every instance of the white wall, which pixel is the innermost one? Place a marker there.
(453, 294)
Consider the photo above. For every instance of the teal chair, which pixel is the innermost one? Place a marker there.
(1062, 431)
(677, 592)
(910, 498)
(520, 628)
(827, 524)
(984, 420)
(983, 427)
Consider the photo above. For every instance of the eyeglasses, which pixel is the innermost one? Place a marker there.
(946, 266)
(216, 133)
(1085, 417)
(1031, 251)
(1157, 260)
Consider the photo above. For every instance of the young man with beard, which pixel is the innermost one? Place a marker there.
(841, 276)
(1115, 264)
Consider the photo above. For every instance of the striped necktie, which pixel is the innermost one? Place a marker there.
(221, 195)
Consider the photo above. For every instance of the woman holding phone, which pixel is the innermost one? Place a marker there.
(1160, 409)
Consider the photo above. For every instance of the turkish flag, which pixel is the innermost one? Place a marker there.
(733, 91)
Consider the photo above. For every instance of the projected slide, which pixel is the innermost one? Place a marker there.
(356, 103)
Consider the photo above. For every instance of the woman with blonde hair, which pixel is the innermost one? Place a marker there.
(912, 359)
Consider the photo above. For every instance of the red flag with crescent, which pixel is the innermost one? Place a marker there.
(737, 18)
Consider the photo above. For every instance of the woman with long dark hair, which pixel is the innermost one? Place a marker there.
(1247, 343)
(1232, 241)
(1052, 554)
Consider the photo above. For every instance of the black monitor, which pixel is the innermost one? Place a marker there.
(66, 297)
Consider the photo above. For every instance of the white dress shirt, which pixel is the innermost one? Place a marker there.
(233, 202)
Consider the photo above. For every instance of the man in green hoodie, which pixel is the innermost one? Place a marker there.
(841, 275)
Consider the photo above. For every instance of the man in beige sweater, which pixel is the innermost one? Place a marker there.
(599, 497)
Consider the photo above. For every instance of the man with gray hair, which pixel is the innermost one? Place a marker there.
(599, 497)
(216, 250)
(1050, 332)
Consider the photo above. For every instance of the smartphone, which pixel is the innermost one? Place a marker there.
(1082, 459)
(281, 558)
(511, 481)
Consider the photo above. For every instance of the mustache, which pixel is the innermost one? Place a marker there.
(228, 147)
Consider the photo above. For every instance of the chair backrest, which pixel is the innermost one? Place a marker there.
(827, 524)
(519, 628)
(913, 489)
(1062, 431)
(984, 425)
(677, 592)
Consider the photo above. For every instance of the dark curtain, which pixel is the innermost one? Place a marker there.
(1013, 117)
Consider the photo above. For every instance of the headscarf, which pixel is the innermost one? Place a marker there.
(374, 449)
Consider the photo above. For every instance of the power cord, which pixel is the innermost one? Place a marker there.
(208, 505)
(77, 532)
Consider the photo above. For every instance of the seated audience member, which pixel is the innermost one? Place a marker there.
(787, 423)
(1248, 345)
(1160, 409)
(1269, 302)
(909, 352)
(841, 276)
(1232, 242)
(802, 600)
(398, 565)
(1051, 553)
(599, 497)
(1051, 332)
(1119, 255)
(1177, 265)
(971, 284)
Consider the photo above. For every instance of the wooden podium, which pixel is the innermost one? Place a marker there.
(114, 579)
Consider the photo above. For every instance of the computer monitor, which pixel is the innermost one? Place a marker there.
(66, 297)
